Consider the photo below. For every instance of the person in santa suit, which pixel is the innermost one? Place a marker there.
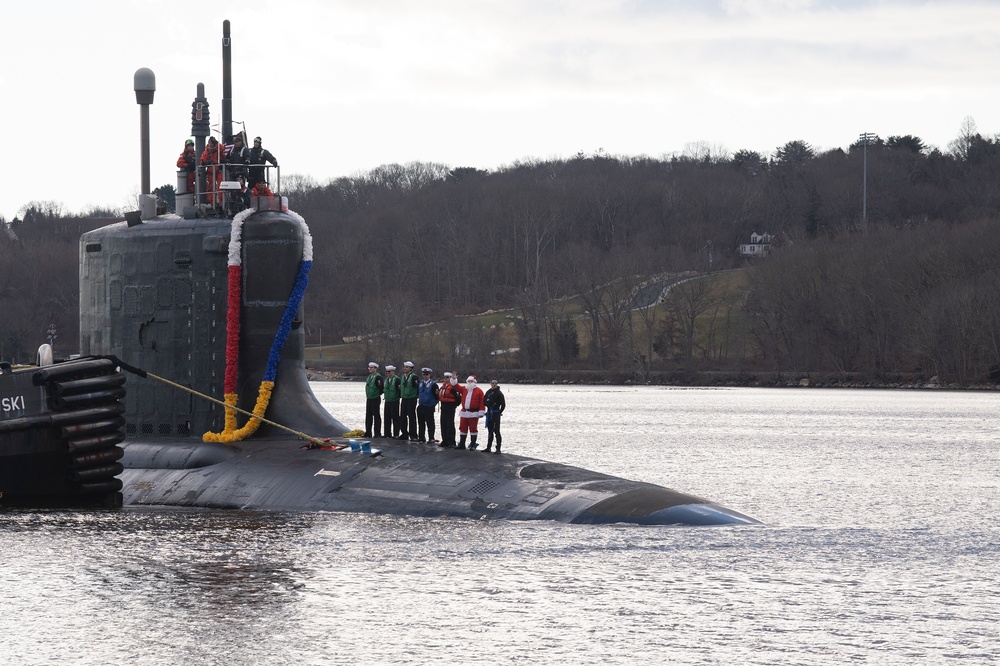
(473, 409)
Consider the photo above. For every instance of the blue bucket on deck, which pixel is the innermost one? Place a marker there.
(366, 447)
(355, 445)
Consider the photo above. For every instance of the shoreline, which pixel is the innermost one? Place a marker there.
(695, 379)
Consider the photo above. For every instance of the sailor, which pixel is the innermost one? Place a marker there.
(187, 162)
(243, 193)
(238, 158)
(391, 410)
(408, 392)
(260, 189)
(259, 155)
(495, 404)
(373, 393)
(473, 409)
(450, 397)
(427, 398)
(210, 158)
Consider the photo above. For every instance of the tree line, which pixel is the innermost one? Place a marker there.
(841, 291)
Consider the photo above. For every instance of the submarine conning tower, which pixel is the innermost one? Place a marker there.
(155, 292)
(155, 295)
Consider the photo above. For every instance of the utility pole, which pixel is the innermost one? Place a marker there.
(866, 138)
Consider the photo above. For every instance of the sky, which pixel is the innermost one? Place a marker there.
(338, 87)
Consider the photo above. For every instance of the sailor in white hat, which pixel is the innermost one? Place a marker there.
(373, 395)
(390, 413)
(408, 392)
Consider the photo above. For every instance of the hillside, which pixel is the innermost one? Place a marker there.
(451, 266)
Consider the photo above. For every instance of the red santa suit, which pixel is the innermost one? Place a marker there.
(473, 407)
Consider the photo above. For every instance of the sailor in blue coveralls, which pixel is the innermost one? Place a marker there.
(495, 404)
(427, 400)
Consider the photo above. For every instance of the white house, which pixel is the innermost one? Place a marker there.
(759, 245)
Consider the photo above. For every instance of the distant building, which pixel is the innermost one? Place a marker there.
(759, 245)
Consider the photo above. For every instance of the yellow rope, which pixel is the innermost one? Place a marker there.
(231, 409)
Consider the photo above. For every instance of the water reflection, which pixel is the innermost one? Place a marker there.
(881, 547)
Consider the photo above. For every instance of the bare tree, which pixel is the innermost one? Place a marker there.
(961, 146)
(688, 301)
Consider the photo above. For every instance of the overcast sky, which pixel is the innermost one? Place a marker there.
(338, 87)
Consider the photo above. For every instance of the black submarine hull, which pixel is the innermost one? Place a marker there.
(411, 479)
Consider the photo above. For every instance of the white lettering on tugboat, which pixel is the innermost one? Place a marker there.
(12, 403)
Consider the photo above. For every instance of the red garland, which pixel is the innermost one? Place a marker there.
(233, 328)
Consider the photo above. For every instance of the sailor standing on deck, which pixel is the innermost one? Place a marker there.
(473, 409)
(391, 413)
(427, 398)
(450, 397)
(373, 393)
(408, 391)
(495, 404)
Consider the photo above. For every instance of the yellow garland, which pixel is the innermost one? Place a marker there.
(231, 399)
(230, 434)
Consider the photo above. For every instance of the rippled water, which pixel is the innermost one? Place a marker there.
(882, 545)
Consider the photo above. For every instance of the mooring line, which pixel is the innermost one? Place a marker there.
(144, 373)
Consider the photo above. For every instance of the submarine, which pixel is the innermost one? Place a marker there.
(207, 303)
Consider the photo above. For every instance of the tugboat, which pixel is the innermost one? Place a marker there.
(60, 426)
(205, 306)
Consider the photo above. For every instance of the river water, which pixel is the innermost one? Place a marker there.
(881, 545)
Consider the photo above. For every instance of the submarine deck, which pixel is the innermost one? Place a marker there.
(402, 478)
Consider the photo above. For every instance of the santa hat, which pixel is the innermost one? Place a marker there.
(472, 378)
